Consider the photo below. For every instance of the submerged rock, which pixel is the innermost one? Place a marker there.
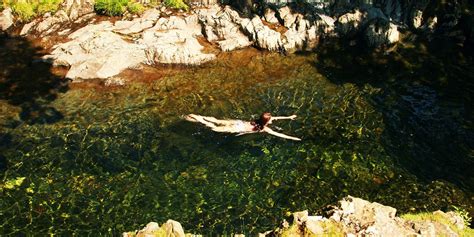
(6, 19)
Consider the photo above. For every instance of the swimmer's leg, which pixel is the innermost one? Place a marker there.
(227, 129)
(218, 121)
(190, 118)
(200, 119)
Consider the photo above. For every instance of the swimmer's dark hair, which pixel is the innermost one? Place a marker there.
(260, 123)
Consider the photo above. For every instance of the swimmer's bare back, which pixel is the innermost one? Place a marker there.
(241, 127)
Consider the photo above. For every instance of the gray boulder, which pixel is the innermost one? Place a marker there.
(223, 26)
(361, 217)
(270, 16)
(350, 23)
(137, 25)
(173, 41)
(262, 35)
(52, 23)
(78, 8)
(96, 52)
(380, 33)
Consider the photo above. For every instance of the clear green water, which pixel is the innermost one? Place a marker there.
(395, 128)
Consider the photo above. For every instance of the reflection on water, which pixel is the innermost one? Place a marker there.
(123, 156)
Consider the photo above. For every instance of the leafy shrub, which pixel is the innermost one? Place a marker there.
(28, 9)
(47, 6)
(111, 7)
(177, 4)
(135, 7)
(24, 10)
(117, 7)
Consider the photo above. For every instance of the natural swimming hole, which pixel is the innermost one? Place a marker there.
(115, 158)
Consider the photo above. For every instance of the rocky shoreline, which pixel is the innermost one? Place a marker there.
(351, 217)
(104, 48)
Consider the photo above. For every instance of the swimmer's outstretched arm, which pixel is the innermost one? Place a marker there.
(270, 131)
(284, 117)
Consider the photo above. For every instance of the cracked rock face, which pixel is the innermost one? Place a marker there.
(223, 27)
(96, 52)
(174, 40)
(101, 51)
(138, 25)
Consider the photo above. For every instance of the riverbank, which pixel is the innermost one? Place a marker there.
(93, 47)
(351, 217)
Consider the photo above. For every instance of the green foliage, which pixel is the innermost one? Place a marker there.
(135, 7)
(118, 7)
(24, 10)
(463, 214)
(12, 183)
(177, 4)
(47, 6)
(111, 7)
(28, 9)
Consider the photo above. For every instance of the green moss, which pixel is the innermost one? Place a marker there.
(435, 217)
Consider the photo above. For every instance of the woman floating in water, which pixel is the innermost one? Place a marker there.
(242, 127)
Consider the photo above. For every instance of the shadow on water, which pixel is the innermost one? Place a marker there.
(27, 82)
(425, 98)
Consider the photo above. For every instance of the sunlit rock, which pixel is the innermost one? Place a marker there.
(27, 27)
(222, 26)
(137, 25)
(173, 41)
(270, 16)
(349, 23)
(78, 8)
(6, 19)
(52, 23)
(361, 217)
(263, 36)
(174, 47)
(69, 12)
(287, 16)
(417, 18)
(173, 229)
(96, 52)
